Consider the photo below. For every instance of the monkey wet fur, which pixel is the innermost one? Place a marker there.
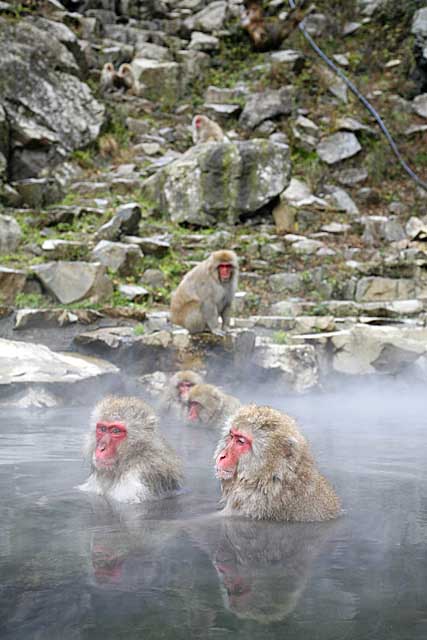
(267, 471)
(130, 459)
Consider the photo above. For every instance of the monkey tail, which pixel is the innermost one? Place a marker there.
(365, 103)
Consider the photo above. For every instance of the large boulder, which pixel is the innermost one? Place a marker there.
(70, 282)
(12, 281)
(383, 350)
(296, 365)
(25, 367)
(49, 110)
(220, 181)
(419, 30)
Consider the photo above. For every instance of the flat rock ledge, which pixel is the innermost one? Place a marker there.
(33, 375)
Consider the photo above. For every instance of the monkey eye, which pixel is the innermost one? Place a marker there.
(116, 430)
(241, 440)
(101, 427)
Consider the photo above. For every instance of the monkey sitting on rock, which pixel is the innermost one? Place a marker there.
(131, 461)
(267, 471)
(206, 130)
(206, 293)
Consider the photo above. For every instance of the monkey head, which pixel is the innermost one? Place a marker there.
(182, 382)
(205, 402)
(119, 428)
(198, 121)
(259, 441)
(224, 265)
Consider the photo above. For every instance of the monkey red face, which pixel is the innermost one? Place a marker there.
(193, 411)
(108, 437)
(184, 389)
(198, 122)
(238, 444)
(225, 271)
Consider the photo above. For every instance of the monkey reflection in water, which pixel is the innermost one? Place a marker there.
(130, 459)
(263, 567)
(206, 294)
(267, 471)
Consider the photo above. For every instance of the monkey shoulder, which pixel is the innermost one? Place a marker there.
(131, 488)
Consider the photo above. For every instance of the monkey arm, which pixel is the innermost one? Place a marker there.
(210, 316)
(226, 315)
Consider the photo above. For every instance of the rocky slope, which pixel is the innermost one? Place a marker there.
(106, 203)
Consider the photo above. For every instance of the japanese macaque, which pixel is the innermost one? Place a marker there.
(206, 293)
(131, 461)
(267, 471)
(121, 80)
(126, 79)
(268, 33)
(175, 397)
(108, 78)
(206, 130)
(209, 406)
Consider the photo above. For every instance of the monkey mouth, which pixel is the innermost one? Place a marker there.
(224, 474)
(104, 463)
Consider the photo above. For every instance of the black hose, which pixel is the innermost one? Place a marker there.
(365, 103)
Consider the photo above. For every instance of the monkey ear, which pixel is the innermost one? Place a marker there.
(289, 446)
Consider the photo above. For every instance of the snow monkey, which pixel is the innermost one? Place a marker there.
(175, 397)
(268, 33)
(130, 459)
(108, 77)
(209, 406)
(267, 471)
(206, 130)
(206, 293)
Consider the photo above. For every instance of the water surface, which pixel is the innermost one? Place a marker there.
(74, 566)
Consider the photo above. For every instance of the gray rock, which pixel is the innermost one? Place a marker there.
(211, 18)
(342, 200)
(203, 42)
(161, 80)
(393, 231)
(289, 58)
(49, 110)
(367, 350)
(221, 95)
(117, 256)
(291, 282)
(352, 177)
(268, 104)
(150, 246)
(416, 228)
(39, 192)
(153, 278)
(70, 282)
(43, 318)
(23, 365)
(316, 24)
(372, 289)
(12, 281)
(338, 147)
(124, 222)
(134, 292)
(334, 83)
(419, 23)
(307, 246)
(153, 52)
(298, 194)
(419, 105)
(297, 365)
(10, 234)
(220, 181)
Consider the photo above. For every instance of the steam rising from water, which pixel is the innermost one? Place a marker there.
(74, 566)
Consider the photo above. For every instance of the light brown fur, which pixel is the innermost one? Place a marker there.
(147, 467)
(268, 33)
(277, 479)
(208, 131)
(108, 77)
(201, 298)
(215, 406)
(171, 400)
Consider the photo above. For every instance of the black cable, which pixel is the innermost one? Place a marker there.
(365, 103)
